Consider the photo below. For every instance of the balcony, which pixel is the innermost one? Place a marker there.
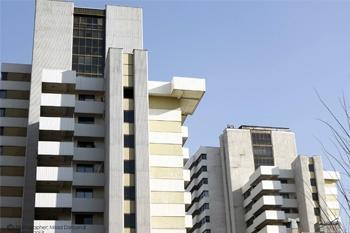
(89, 130)
(89, 154)
(55, 148)
(273, 229)
(14, 103)
(56, 123)
(5, 222)
(187, 175)
(54, 174)
(12, 141)
(58, 76)
(264, 201)
(264, 185)
(92, 107)
(13, 121)
(331, 175)
(14, 85)
(53, 226)
(269, 216)
(88, 179)
(12, 181)
(58, 100)
(53, 200)
(184, 132)
(186, 153)
(10, 201)
(78, 228)
(12, 160)
(88, 205)
(89, 84)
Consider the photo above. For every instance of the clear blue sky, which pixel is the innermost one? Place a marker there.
(262, 60)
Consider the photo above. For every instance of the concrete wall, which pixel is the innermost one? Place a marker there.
(52, 49)
(114, 166)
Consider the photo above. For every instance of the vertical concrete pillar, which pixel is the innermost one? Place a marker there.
(142, 175)
(114, 167)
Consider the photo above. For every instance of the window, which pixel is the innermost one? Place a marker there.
(128, 92)
(313, 182)
(315, 196)
(84, 193)
(88, 168)
(129, 221)
(311, 167)
(86, 120)
(2, 112)
(129, 193)
(129, 166)
(129, 141)
(2, 94)
(284, 181)
(317, 211)
(86, 144)
(1, 130)
(3, 76)
(129, 116)
(83, 219)
(86, 97)
(262, 148)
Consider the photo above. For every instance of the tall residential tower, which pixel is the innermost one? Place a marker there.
(88, 144)
(255, 183)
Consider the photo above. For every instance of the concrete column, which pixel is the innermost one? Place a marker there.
(52, 49)
(114, 167)
(142, 175)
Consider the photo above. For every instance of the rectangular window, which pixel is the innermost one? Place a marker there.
(129, 116)
(129, 221)
(1, 130)
(86, 144)
(315, 196)
(86, 120)
(129, 193)
(2, 94)
(129, 166)
(262, 148)
(3, 76)
(84, 193)
(88, 168)
(86, 97)
(83, 219)
(2, 112)
(313, 182)
(129, 141)
(128, 92)
(317, 211)
(311, 167)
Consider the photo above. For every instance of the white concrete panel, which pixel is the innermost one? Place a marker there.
(165, 115)
(54, 173)
(14, 103)
(168, 231)
(16, 68)
(10, 201)
(5, 222)
(167, 210)
(331, 190)
(188, 221)
(12, 141)
(14, 85)
(57, 100)
(167, 185)
(165, 138)
(331, 175)
(190, 84)
(12, 181)
(89, 130)
(55, 148)
(52, 200)
(89, 84)
(88, 179)
(93, 107)
(88, 205)
(58, 76)
(166, 161)
(56, 123)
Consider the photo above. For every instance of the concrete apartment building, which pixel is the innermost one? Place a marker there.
(87, 143)
(255, 183)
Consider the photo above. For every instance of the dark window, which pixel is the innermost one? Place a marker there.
(129, 166)
(313, 182)
(284, 181)
(84, 193)
(317, 211)
(129, 116)
(315, 196)
(2, 112)
(88, 168)
(262, 148)
(83, 219)
(129, 141)
(129, 193)
(2, 94)
(311, 167)
(3, 76)
(88, 45)
(1, 130)
(128, 92)
(87, 97)
(86, 120)
(129, 221)
(86, 144)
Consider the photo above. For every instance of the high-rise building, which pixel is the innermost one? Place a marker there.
(255, 183)
(88, 144)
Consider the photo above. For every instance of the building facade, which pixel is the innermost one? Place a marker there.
(88, 144)
(255, 183)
